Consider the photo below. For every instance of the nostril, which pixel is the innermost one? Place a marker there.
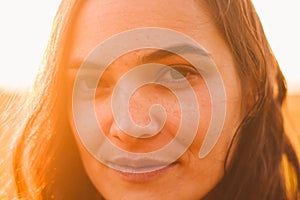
(115, 131)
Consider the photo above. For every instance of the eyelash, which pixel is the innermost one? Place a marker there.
(185, 70)
(88, 82)
(165, 76)
(188, 73)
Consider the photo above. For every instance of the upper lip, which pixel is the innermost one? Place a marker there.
(137, 165)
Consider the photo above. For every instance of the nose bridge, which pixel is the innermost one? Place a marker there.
(135, 104)
(139, 106)
(138, 111)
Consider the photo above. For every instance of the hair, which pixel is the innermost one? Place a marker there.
(263, 164)
(9, 99)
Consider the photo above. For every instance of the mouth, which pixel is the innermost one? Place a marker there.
(140, 165)
(141, 169)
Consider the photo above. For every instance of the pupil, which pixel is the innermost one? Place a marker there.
(91, 83)
(178, 74)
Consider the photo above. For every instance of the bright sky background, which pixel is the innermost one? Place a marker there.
(25, 27)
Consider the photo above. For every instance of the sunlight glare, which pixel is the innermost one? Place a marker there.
(25, 28)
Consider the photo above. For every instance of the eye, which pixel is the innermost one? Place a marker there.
(87, 83)
(177, 73)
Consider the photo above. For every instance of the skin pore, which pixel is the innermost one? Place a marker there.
(189, 177)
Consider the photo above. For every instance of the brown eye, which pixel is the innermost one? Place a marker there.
(87, 83)
(91, 82)
(178, 76)
(180, 72)
(177, 73)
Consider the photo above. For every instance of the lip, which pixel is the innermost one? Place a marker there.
(140, 169)
(146, 176)
(137, 165)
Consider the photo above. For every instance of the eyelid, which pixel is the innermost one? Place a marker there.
(82, 84)
(88, 74)
(184, 66)
(181, 83)
(104, 82)
(90, 70)
(177, 66)
(93, 72)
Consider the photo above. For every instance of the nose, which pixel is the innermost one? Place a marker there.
(140, 122)
(140, 114)
(120, 135)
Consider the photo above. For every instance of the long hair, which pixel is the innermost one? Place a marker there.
(10, 101)
(263, 151)
(47, 163)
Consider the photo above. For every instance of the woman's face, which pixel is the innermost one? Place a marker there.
(189, 177)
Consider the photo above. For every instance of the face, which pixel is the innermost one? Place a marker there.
(188, 177)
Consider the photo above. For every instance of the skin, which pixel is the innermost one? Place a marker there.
(190, 177)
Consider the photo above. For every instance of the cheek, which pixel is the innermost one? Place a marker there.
(232, 120)
(204, 103)
(138, 109)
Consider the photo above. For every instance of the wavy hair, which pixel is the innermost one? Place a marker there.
(263, 164)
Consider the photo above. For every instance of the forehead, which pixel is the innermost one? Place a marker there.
(120, 15)
(95, 21)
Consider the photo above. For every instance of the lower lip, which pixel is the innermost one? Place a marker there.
(145, 177)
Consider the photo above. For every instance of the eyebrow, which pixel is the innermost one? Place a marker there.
(158, 54)
(179, 49)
